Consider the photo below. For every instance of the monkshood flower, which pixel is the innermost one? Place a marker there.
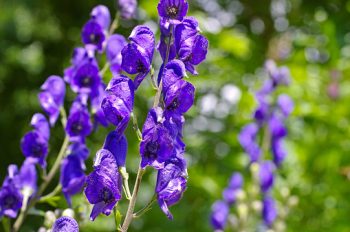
(10, 194)
(119, 102)
(278, 151)
(96, 110)
(100, 14)
(266, 177)
(157, 144)
(269, 211)
(138, 54)
(219, 216)
(118, 145)
(51, 97)
(72, 176)
(191, 47)
(247, 139)
(79, 56)
(127, 8)
(65, 224)
(104, 184)
(173, 10)
(78, 124)
(93, 34)
(34, 144)
(285, 104)
(79, 149)
(114, 47)
(86, 78)
(27, 179)
(235, 184)
(171, 183)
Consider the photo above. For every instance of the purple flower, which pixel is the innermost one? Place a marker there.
(96, 109)
(114, 47)
(171, 183)
(262, 112)
(72, 176)
(163, 46)
(78, 124)
(34, 144)
(235, 184)
(173, 71)
(191, 47)
(157, 144)
(100, 14)
(65, 224)
(118, 145)
(127, 8)
(247, 139)
(279, 76)
(219, 216)
(80, 55)
(278, 151)
(27, 178)
(104, 184)
(173, 10)
(266, 177)
(93, 34)
(179, 97)
(10, 195)
(285, 104)
(79, 149)
(86, 78)
(276, 127)
(119, 102)
(269, 211)
(51, 97)
(138, 54)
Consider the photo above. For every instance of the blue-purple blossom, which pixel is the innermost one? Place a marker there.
(179, 97)
(173, 10)
(119, 102)
(34, 144)
(127, 8)
(277, 127)
(235, 184)
(278, 75)
(96, 109)
(93, 34)
(285, 104)
(117, 144)
(278, 151)
(80, 55)
(114, 47)
(27, 178)
(191, 47)
(138, 54)
(86, 78)
(220, 211)
(78, 124)
(171, 183)
(65, 224)
(269, 211)
(104, 184)
(157, 144)
(266, 177)
(247, 139)
(100, 14)
(51, 97)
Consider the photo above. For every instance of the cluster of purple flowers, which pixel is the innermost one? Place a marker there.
(269, 127)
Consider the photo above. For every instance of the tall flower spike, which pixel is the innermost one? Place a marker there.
(118, 146)
(127, 8)
(173, 10)
(157, 144)
(65, 224)
(104, 184)
(247, 139)
(51, 97)
(234, 186)
(171, 183)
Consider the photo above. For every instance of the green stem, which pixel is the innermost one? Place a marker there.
(125, 176)
(52, 194)
(130, 213)
(114, 24)
(135, 126)
(146, 208)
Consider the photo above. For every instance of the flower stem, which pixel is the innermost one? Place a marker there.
(146, 208)
(52, 194)
(135, 126)
(125, 175)
(160, 87)
(18, 223)
(114, 24)
(130, 213)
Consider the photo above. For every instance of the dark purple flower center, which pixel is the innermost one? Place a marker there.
(106, 195)
(172, 11)
(95, 38)
(36, 149)
(152, 150)
(77, 128)
(9, 201)
(174, 105)
(140, 66)
(85, 81)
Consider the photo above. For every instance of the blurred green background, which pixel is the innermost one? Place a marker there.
(311, 37)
